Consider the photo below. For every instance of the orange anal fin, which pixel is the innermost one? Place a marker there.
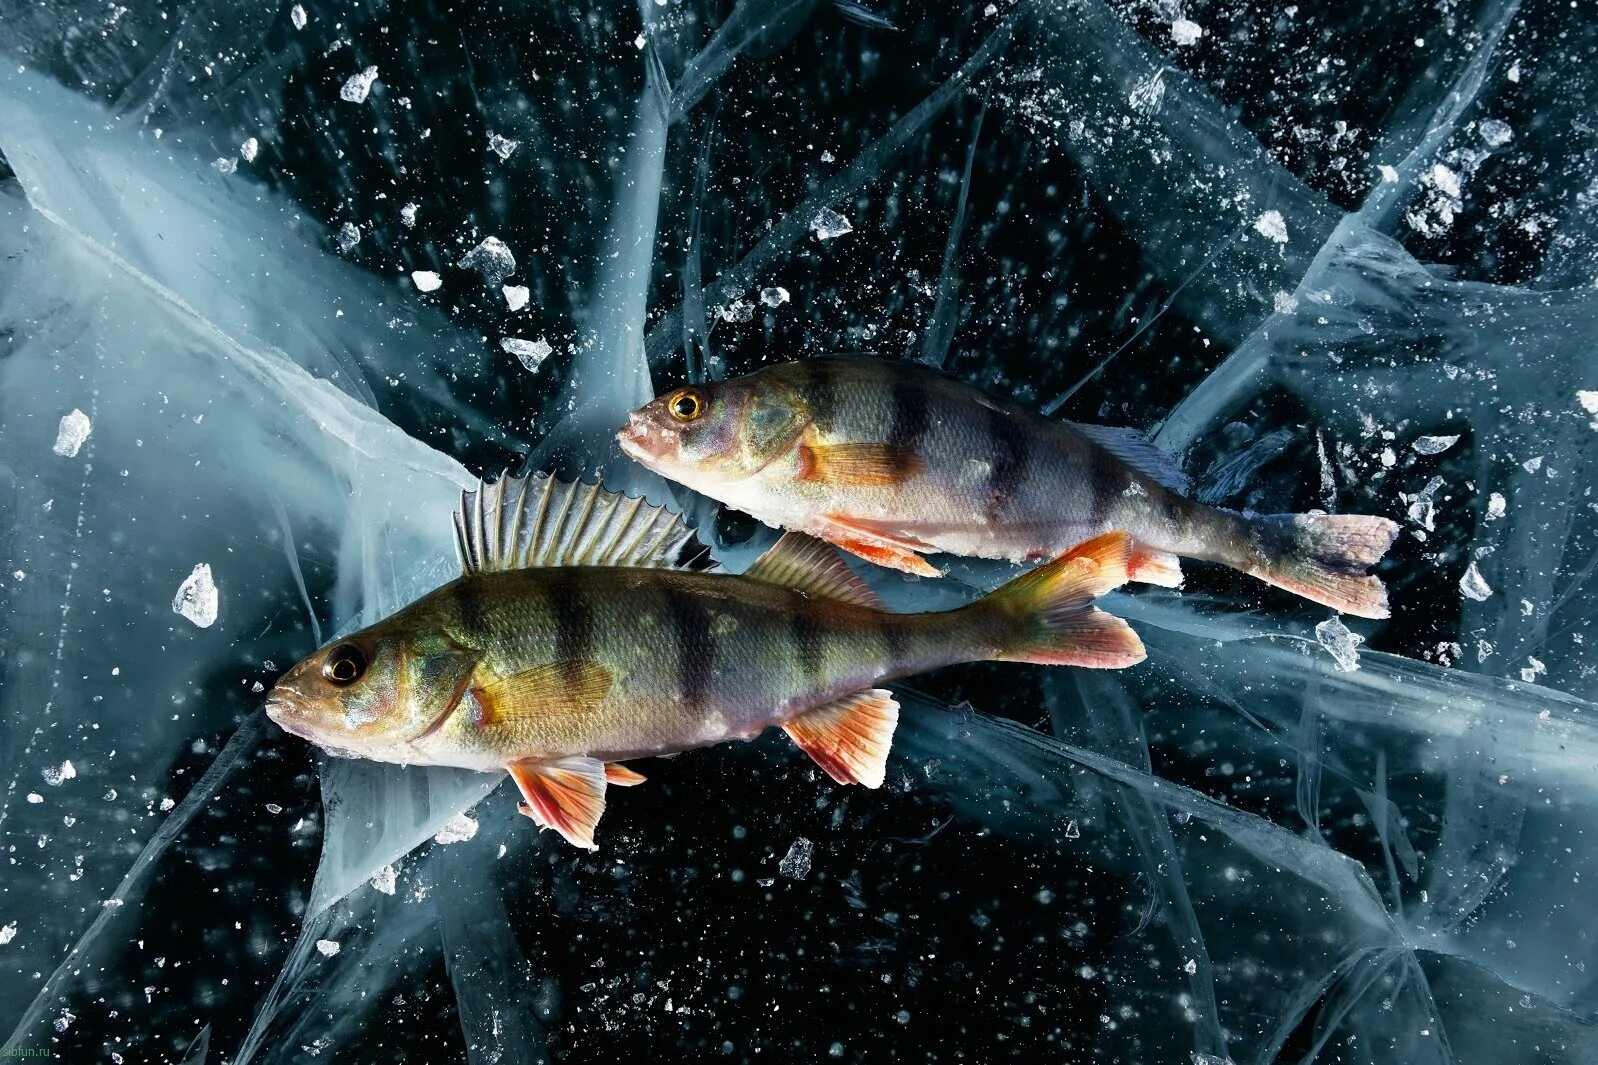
(849, 737)
(1148, 565)
(566, 794)
(621, 776)
(878, 545)
(858, 465)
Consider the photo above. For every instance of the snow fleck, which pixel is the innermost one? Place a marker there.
(1340, 642)
(532, 353)
(1474, 585)
(829, 223)
(457, 829)
(502, 146)
(795, 865)
(1513, 74)
(492, 259)
(349, 235)
(197, 599)
(59, 775)
(226, 165)
(1284, 302)
(8, 933)
(383, 879)
(297, 16)
(408, 215)
(1148, 94)
(355, 90)
(1186, 31)
(1495, 132)
(516, 296)
(1589, 403)
(327, 947)
(1497, 506)
(1433, 445)
(776, 296)
(249, 150)
(71, 433)
(1272, 226)
(426, 280)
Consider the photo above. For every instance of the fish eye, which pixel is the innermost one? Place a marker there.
(686, 404)
(345, 665)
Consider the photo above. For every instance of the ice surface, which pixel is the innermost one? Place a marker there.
(1244, 850)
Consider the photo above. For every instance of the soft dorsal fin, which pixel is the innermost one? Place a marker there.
(539, 521)
(1134, 449)
(810, 566)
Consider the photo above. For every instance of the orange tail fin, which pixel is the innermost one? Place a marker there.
(1052, 615)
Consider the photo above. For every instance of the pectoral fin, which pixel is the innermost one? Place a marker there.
(862, 465)
(878, 545)
(549, 689)
(849, 738)
(567, 795)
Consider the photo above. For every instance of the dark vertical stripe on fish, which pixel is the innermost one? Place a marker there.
(805, 639)
(1008, 446)
(568, 608)
(469, 610)
(911, 406)
(895, 640)
(696, 647)
(1108, 480)
(821, 391)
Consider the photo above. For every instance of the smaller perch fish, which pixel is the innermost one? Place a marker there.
(574, 641)
(890, 461)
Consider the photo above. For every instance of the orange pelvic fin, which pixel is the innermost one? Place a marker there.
(1150, 565)
(621, 776)
(858, 465)
(567, 795)
(849, 738)
(874, 544)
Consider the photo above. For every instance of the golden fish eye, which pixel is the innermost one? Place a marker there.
(686, 405)
(345, 665)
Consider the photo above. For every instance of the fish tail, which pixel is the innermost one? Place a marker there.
(1047, 615)
(1324, 558)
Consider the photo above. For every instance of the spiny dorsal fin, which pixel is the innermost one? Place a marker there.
(539, 521)
(1134, 449)
(810, 566)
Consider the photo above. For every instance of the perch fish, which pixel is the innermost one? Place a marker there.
(891, 461)
(576, 639)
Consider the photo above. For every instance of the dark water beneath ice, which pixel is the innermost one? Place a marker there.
(1235, 852)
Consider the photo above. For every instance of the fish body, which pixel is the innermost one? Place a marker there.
(572, 643)
(893, 461)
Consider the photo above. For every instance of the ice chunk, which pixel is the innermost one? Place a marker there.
(1589, 403)
(1272, 226)
(1495, 132)
(492, 259)
(532, 353)
(226, 165)
(1474, 585)
(327, 947)
(795, 865)
(828, 224)
(249, 150)
(775, 296)
(358, 86)
(1433, 445)
(8, 932)
(458, 829)
(71, 433)
(197, 597)
(1186, 31)
(502, 146)
(516, 296)
(408, 215)
(1340, 642)
(426, 280)
(56, 776)
(297, 16)
(1497, 506)
(349, 235)
(384, 879)
(1148, 94)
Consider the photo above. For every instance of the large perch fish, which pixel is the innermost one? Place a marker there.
(890, 460)
(573, 641)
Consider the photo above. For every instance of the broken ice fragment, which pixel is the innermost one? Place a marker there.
(1272, 226)
(1496, 132)
(197, 598)
(1474, 585)
(1340, 642)
(1389, 173)
(328, 947)
(383, 879)
(297, 16)
(249, 150)
(59, 775)
(72, 432)
(1147, 95)
(1433, 445)
(795, 865)
(1186, 31)
(775, 296)
(408, 215)
(532, 353)
(457, 829)
(1589, 403)
(1446, 181)
(492, 259)
(1533, 671)
(8, 933)
(516, 296)
(829, 223)
(1533, 464)
(1071, 831)
(358, 86)
(502, 146)
(349, 235)
(426, 280)
(1497, 505)
(226, 165)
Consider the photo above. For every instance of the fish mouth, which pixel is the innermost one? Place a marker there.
(640, 438)
(289, 712)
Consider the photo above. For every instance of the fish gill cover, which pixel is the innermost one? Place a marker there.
(278, 280)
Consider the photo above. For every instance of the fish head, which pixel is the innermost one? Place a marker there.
(373, 694)
(715, 433)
